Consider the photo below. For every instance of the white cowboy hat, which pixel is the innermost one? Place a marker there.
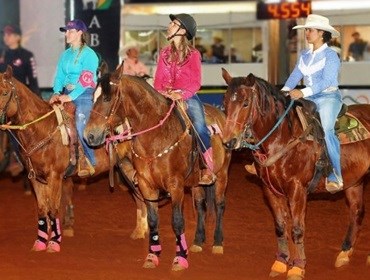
(318, 22)
(129, 46)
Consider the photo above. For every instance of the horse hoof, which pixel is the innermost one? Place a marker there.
(343, 258)
(218, 250)
(295, 273)
(278, 268)
(179, 263)
(39, 246)
(53, 247)
(137, 234)
(195, 248)
(151, 261)
(68, 232)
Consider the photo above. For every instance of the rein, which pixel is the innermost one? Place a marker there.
(255, 147)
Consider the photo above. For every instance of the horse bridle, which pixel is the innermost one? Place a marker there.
(12, 94)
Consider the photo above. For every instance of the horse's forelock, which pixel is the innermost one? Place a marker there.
(104, 82)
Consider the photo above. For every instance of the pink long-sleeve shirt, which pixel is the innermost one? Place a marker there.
(185, 76)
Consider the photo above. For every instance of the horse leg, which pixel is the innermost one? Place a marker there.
(298, 204)
(198, 194)
(219, 197)
(354, 197)
(141, 219)
(42, 193)
(155, 248)
(180, 262)
(66, 211)
(280, 213)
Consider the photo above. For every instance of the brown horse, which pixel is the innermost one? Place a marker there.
(255, 109)
(164, 155)
(47, 158)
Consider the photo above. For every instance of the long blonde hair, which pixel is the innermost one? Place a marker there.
(179, 54)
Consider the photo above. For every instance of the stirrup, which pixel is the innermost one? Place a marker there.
(207, 177)
(85, 168)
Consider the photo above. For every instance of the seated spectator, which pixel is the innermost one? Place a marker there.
(218, 50)
(200, 48)
(131, 63)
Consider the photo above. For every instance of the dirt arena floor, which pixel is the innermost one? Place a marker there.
(102, 248)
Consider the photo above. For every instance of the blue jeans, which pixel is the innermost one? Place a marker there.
(196, 114)
(328, 107)
(84, 104)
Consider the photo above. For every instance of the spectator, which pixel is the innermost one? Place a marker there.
(23, 64)
(198, 45)
(356, 48)
(21, 60)
(131, 63)
(218, 50)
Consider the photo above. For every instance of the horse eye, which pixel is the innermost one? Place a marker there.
(246, 103)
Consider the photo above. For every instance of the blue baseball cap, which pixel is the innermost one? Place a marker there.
(74, 24)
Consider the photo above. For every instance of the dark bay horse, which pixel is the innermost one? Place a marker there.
(256, 110)
(46, 158)
(165, 157)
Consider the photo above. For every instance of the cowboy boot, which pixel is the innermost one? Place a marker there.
(207, 175)
(85, 168)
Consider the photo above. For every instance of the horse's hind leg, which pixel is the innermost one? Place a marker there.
(67, 209)
(354, 197)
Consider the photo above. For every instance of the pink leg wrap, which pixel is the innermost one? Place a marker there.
(53, 247)
(39, 246)
(152, 258)
(56, 234)
(181, 261)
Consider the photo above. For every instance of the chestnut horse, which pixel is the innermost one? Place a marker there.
(46, 158)
(255, 109)
(164, 155)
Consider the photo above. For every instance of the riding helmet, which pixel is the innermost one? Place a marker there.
(188, 23)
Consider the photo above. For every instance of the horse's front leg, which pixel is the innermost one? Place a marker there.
(42, 193)
(198, 194)
(141, 228)
(155, 248)
(180, 262)
(281, 214)
(354, 197)
(298, 205)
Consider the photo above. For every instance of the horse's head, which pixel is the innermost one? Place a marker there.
(238, 103)
(8, 104)
(104, 118)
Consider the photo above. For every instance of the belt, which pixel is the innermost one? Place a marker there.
(70, 87)
(330, 89)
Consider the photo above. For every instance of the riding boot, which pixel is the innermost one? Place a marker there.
(85, 168)
(207, 175)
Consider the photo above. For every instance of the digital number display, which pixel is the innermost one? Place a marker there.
(283, 10)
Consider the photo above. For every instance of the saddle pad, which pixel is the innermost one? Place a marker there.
(349, 129)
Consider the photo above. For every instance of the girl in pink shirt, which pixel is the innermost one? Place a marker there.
(178, 76)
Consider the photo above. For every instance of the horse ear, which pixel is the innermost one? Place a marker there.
(251, 79)
(226, 75)
(9, 72)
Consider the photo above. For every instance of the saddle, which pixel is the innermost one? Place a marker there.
(348, 129)
(77, 159)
